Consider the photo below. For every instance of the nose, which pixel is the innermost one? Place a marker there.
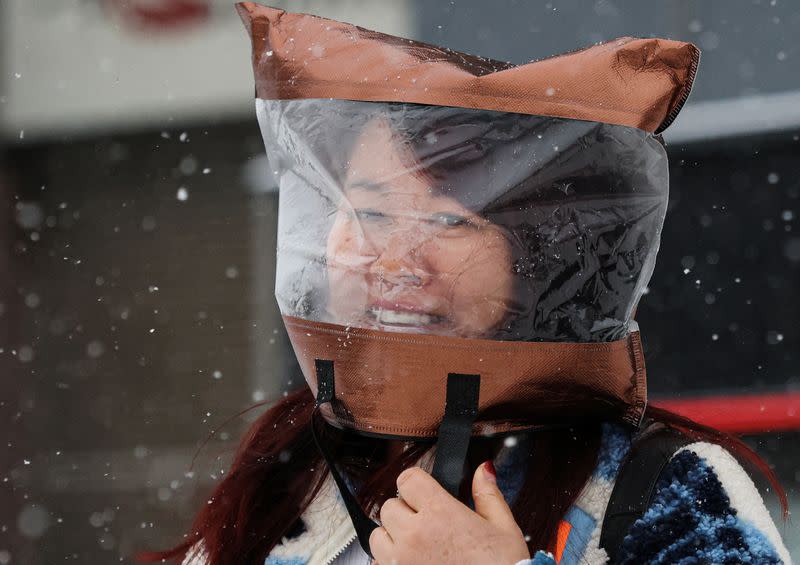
(401, 261)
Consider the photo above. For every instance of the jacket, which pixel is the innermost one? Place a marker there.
(705, 510)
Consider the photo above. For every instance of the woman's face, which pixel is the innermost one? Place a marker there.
(403, 257)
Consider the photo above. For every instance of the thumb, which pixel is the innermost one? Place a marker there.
(489, 501)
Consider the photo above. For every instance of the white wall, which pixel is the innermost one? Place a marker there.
(77, 67)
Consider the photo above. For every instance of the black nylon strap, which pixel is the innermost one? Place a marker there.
(460, 411)
(461, 408)
(325, 381)
(325, 393)
(633, 491)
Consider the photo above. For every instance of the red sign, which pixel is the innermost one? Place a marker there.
(160, 14)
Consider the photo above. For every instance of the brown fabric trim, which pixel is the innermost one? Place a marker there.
(641, 83)
(394, 383)
(683, 93)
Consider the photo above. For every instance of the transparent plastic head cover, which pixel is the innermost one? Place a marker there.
(461, 222)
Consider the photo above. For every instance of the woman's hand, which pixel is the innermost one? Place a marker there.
(426, 525)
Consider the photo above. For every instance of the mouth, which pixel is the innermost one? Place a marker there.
(404, 318)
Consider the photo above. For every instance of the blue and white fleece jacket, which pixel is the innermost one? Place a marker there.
(706, 510)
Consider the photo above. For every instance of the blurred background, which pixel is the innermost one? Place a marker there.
(138, 237)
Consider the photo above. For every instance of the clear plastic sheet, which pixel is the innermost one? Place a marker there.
(462, 222)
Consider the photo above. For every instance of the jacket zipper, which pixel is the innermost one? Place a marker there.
(333, 557)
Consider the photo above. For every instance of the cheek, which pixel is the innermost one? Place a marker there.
(345, 262)
(341, 239)
(473, 261)
(346, 248)
(477, 278)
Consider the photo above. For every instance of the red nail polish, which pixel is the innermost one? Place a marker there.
(489, 466)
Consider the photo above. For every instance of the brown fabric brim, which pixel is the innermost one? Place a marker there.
(641, 83)
(394, 384)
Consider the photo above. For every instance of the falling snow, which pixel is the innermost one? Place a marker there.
(138, 311)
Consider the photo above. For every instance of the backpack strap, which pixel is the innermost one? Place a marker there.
(652, 448)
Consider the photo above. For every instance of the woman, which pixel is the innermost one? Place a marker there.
(434, 199)
(405, 251)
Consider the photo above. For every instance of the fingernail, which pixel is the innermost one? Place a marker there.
(491, 472)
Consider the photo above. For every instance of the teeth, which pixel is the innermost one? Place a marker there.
(405, 318)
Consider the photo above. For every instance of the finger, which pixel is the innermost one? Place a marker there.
(381, 545)
(418, 488)
(489, 501)
(395, 516)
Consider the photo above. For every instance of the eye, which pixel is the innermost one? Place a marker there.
(450, 220)
(369, 214)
